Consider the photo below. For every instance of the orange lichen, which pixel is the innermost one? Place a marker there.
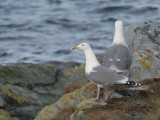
(71, 97)
(89, 104)
(4, 115)
(144, 64)
(146, 57)
(82, 107)
(137, 74)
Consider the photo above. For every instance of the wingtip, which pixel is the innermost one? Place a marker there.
(133, 83)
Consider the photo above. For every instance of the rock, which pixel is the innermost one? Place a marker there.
(29, 112)
(143, 41)
(114, 94)
(24, 85)
(87, 103)
(131, 91)
(100, 57)
(6, 116)
(74, 76)
(143, 87)
(77, 98)
(29, 75)
(64, 65)
(141, 102)
(125, 92)
(2, 103)
(135, 117)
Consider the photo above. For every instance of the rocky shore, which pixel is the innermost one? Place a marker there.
(36, 91)
(27, 88)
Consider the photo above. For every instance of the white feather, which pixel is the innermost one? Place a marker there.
(118, 59)
(110, 59)
(116, 69)
(118, 35)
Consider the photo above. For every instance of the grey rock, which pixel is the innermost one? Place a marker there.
(79, 112)
(73, 76)
(113, 94)
(28, 96)
(144, 87)
(135, 117)
(100, 57)
(126, 92)
(29, 75)
(143, 40)
(131, 91)
(24, 85)
(141, 102)
(28, 111)
(64, 65)
(2, 103)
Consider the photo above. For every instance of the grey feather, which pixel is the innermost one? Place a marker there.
(103, 76)
(119, 56)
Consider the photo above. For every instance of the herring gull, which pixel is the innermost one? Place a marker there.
(98, 74)
(118, 57)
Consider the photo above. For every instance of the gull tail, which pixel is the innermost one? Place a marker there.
(132, 83)
(123, 81)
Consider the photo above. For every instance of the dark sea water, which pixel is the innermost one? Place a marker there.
(39, 31)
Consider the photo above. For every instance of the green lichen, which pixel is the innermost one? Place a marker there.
(10, 94)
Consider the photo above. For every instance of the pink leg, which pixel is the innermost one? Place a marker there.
(106, 97)
(97, 98)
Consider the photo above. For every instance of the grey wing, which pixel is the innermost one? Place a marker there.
(101, 75)
(125, 58)
(119, 56)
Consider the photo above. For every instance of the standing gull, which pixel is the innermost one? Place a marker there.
(97, 73)
(118, 57)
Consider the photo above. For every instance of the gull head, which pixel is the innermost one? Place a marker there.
(118, 24)
(82, 46)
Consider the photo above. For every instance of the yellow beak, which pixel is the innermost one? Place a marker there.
(73, 48)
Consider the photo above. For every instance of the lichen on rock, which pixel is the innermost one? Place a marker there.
(6, 116)
(10, 94)
(143, 41)
(67, 100)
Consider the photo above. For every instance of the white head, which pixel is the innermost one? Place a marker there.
(91, 60)
(82, 46)
(118, 35)
(118, 24)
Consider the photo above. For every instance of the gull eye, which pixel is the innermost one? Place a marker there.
(82, 44)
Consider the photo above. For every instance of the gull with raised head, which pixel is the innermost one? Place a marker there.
(118, 57)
